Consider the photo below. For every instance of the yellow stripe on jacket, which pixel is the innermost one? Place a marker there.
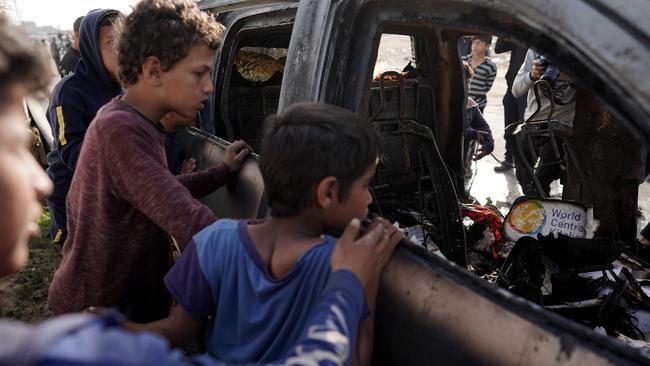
(59, 117)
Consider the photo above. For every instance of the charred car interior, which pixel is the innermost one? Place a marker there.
(447, 296)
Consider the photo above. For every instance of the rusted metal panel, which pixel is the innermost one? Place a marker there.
(610, 175)
(431, 312)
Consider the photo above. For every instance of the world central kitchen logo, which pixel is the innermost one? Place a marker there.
(567, 222)
(532, 217)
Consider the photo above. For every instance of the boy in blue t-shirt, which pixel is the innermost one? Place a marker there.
(257, 283)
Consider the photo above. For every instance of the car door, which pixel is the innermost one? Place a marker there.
(238, 107)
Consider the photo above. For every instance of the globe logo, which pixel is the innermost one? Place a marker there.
(527, 218)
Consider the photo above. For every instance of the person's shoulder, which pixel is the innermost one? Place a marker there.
(220, 232)
(66, 90)
(488, 61)
(328, 245)
(221, 225)
(115, 116)
(22, 337)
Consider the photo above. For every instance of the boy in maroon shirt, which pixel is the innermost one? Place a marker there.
(123, 200)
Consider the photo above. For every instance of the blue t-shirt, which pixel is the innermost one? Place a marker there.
(253, 317)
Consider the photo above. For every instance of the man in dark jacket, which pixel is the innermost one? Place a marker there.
(75, 101)
(513, 108)
(72, 56)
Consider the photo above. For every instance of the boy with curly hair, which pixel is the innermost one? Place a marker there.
(255, 284)
(123, 201)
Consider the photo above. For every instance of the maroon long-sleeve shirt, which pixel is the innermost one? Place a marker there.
(122, 203)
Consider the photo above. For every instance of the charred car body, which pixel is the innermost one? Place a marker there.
(431, 309)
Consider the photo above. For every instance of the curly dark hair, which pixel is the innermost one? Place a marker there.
(165, 29)
(22, 62)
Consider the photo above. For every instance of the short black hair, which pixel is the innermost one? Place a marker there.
(483, 37)
(309, 142)
(22, 62)
(77, 24)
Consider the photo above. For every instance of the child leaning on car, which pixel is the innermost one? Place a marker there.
(123, 200)
(85, 339)
(257, 283)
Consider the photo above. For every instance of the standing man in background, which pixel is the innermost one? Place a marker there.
(72, 56)
(54, 51)
(564, 99)
(513, 108)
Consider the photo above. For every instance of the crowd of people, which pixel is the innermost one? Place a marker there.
(525, 67)
(280, 291)
(64, 49)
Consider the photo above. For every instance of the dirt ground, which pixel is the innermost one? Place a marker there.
(23, 296)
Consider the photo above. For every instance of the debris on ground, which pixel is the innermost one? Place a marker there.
(548, 254)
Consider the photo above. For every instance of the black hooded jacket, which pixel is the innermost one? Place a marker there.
(74, 102)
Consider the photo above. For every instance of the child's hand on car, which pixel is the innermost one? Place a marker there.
(235, 154)
(188, 166)
(367, 255)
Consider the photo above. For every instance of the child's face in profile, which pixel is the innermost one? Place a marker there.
(22, 185)
(356, 203)
(187, 85)
(107, 50)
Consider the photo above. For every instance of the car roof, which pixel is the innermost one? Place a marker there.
(221, 6)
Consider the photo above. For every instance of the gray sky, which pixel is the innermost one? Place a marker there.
(62, 13)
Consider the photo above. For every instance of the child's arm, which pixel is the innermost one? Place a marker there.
(383, 237)
(69, 125)
(202, 183)
(179, 327)
(523, 81)
(490, 78)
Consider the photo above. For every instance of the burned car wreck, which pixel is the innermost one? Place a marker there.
(471, 285)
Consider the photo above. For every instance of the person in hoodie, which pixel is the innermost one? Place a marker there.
(74, 102)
